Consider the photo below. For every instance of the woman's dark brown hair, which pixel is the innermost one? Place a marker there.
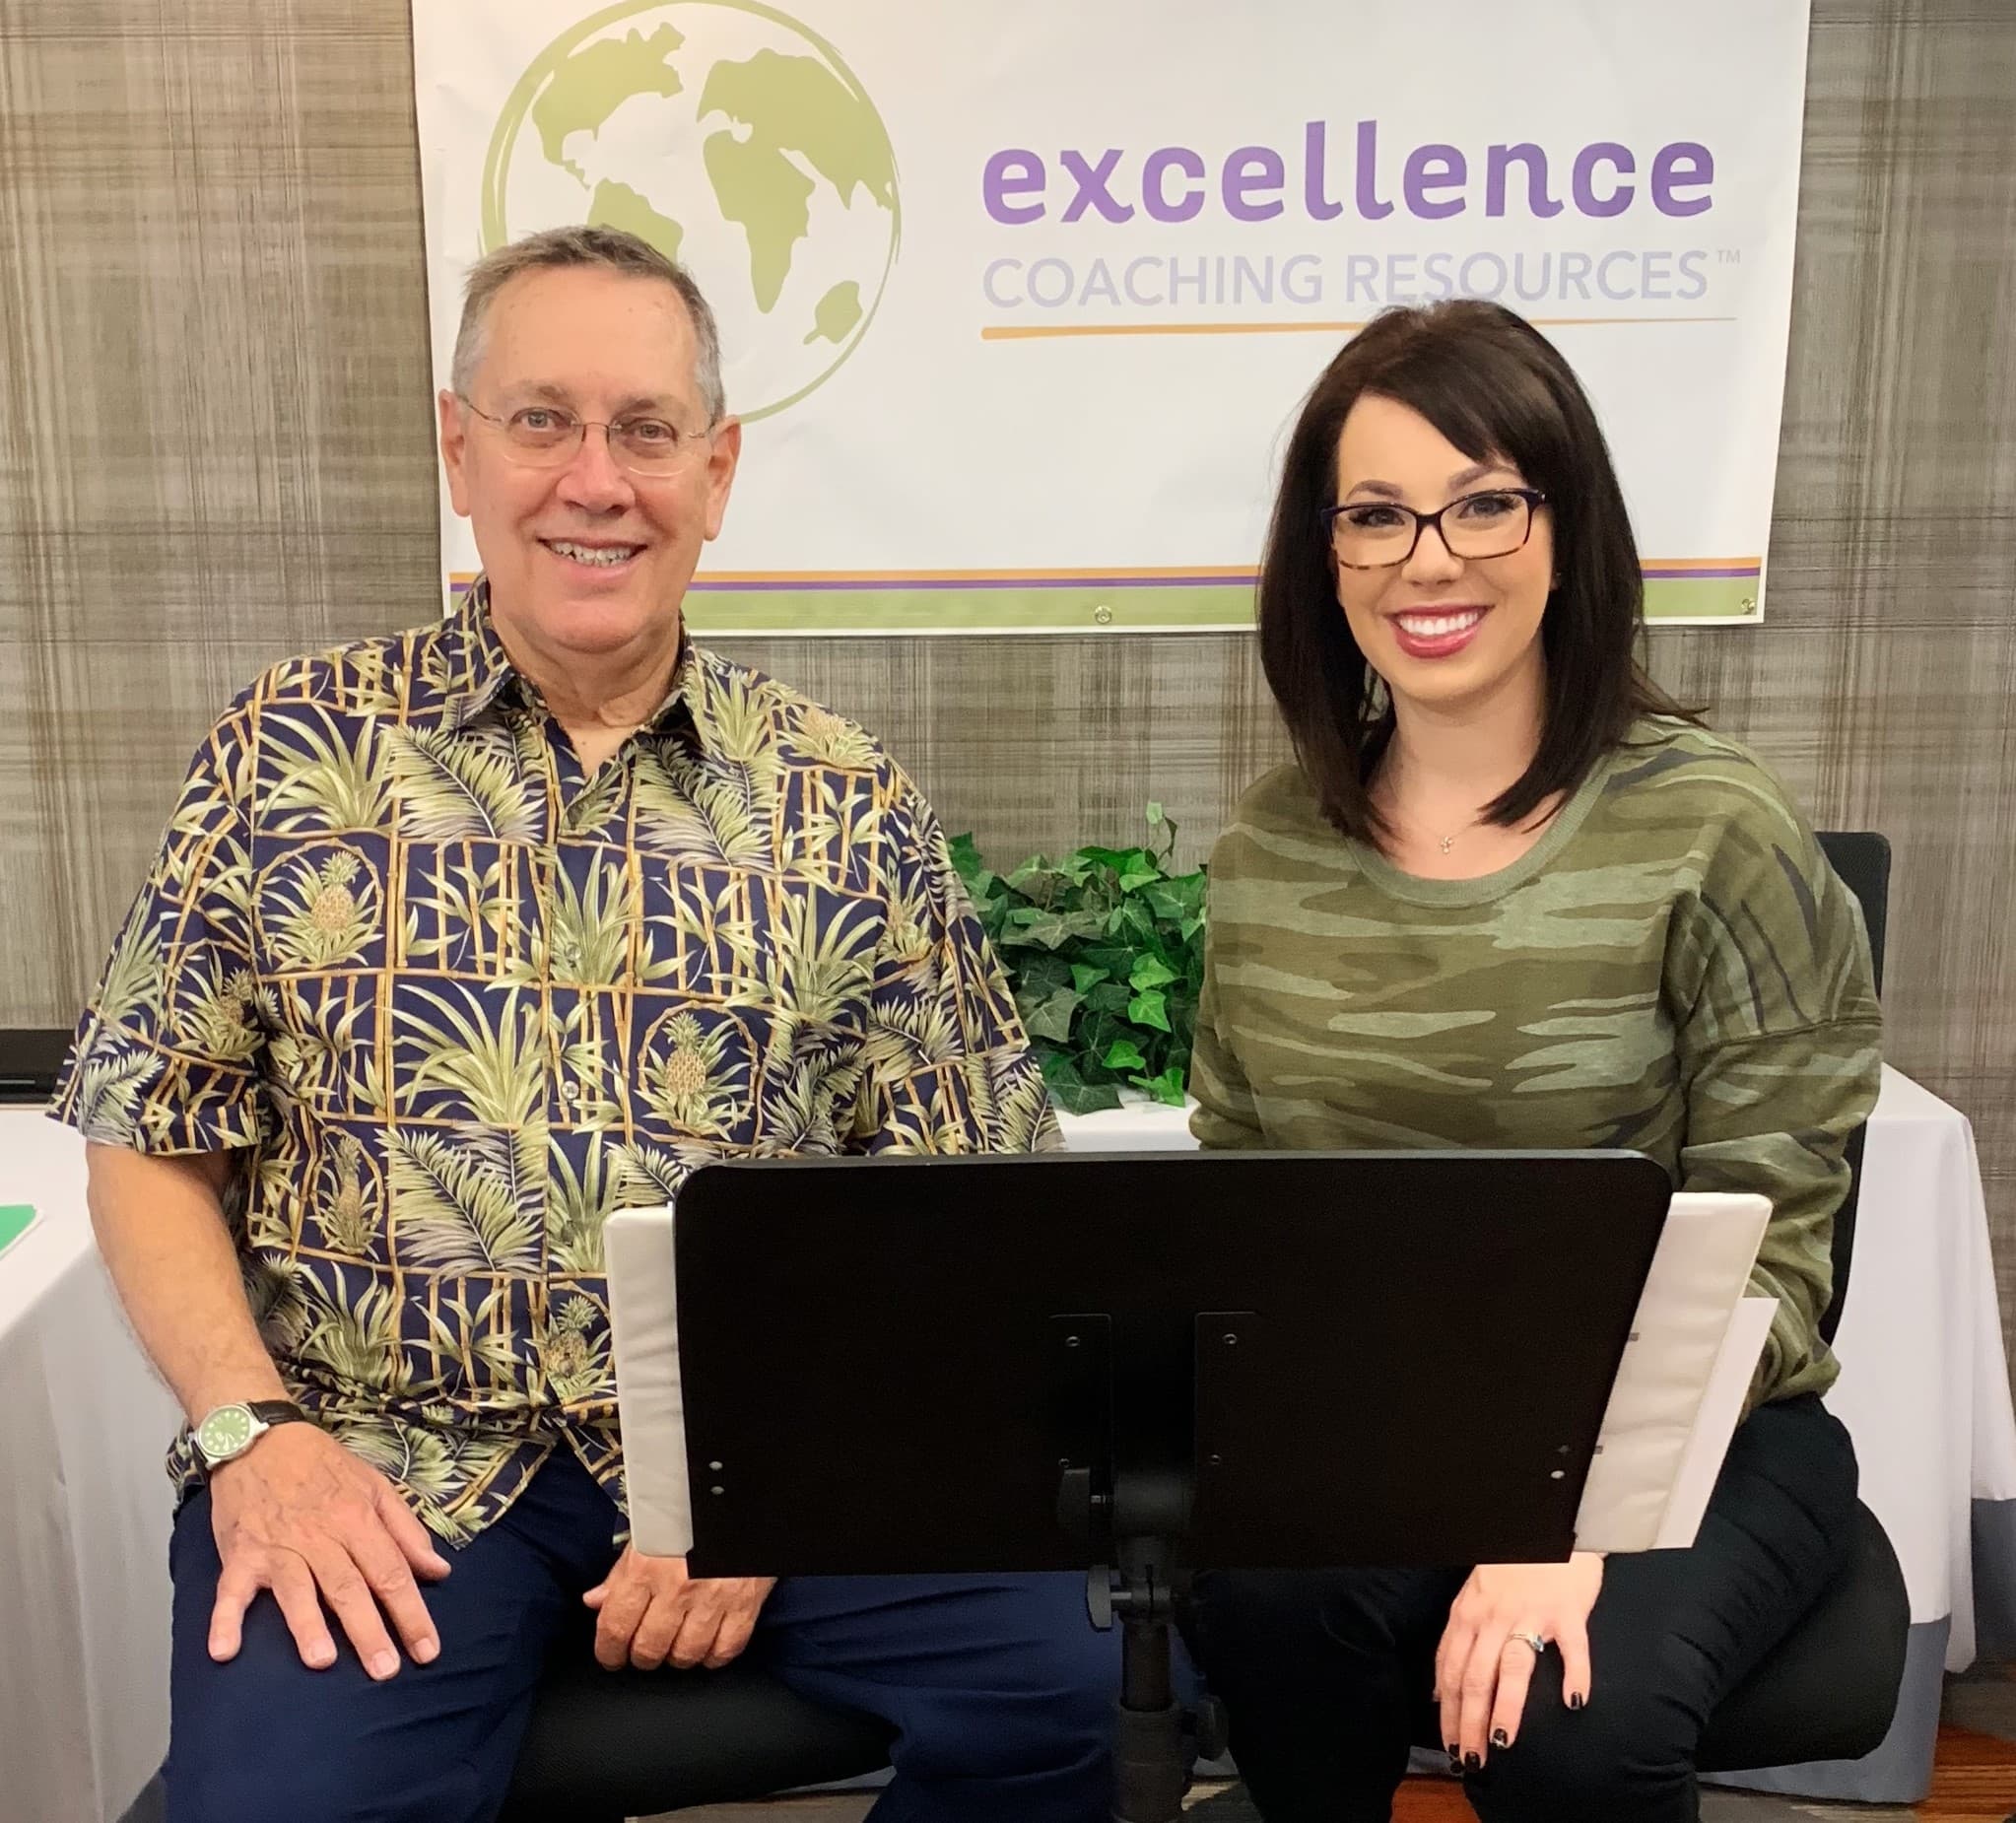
(1496, 388)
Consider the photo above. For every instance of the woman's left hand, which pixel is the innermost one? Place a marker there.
(1480, 1671)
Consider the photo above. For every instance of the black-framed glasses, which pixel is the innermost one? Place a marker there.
(1376, 534)
(551, 435)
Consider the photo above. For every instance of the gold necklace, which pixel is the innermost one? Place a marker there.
(1448, 842)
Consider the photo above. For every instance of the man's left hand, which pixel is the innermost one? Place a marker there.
(1482, 1672)
(650, 1610)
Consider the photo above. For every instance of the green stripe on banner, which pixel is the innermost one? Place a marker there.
(1193, 607)
(953, 609)
(1701, 599)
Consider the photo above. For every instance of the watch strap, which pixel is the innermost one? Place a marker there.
(277, 1411)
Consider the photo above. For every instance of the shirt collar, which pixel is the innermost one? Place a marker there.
(482, 674)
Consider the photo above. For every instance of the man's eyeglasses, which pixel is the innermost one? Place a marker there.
(550, 436)
(1376, 534)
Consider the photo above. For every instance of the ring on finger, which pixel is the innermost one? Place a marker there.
(1536, 1641)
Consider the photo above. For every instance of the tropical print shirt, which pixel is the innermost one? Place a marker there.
(452, 1001)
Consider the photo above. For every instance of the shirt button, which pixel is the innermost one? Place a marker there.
(571, 1093)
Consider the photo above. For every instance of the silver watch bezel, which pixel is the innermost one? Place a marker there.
(255, 1428)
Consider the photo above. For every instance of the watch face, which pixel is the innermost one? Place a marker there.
(225, 1432)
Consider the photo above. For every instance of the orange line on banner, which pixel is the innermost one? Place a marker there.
(868, 577)
(1029, 332)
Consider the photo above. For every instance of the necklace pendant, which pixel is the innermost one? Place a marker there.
(1447, 843)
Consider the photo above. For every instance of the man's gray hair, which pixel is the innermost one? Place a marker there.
(614, 250)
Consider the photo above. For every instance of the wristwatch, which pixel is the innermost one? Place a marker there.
(230, 1430)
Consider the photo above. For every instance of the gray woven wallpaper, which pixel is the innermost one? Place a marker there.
(216, 435)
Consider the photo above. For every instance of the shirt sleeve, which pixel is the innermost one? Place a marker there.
(1226, 1117)
(1779, 1038)
(165, 1059)
(948, 1067)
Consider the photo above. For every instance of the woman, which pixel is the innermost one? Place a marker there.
(1510, 896)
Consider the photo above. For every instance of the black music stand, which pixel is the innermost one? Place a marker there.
(1145, 1364)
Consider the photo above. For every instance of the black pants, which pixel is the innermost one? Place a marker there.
(1327, 1674)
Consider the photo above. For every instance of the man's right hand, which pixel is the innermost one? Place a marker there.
(302, 1516)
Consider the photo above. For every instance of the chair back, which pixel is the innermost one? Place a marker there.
(1861, 857)
(30, 1057)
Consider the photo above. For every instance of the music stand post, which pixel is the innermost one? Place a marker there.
(1132, 1520)
(1140, 1366)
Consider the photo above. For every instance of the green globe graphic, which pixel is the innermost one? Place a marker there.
(734, 141)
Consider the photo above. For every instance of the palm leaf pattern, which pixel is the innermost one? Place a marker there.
(325, 782)
(592, 922)
(451, 784)
(579, 1204)
(108, 1093)
(699, 810)
(461, 1207)
(460, 1002)
(134, 983)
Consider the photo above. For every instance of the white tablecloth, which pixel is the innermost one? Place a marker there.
(84, 1585)
(84, 1591)
(1924, 1389)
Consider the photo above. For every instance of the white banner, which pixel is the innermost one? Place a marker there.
(1019, 303)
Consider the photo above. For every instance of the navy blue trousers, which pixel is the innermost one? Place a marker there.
(998, 1688)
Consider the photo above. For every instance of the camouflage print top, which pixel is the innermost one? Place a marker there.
(451, 1001)
(1672, 967)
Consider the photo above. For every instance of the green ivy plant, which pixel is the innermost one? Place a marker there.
(1106, 952)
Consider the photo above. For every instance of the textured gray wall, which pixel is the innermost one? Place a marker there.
(216, 432)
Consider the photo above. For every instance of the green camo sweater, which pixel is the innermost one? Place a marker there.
(1672, 967)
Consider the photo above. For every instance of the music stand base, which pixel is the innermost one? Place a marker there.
(1156, 1738)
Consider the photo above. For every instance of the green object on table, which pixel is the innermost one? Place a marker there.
(14, 1222)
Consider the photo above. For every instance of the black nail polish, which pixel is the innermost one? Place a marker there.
(1455, 1754)
(1455, 1766)
(1471, 1761)
(1500, 1738)
(1576, 1701)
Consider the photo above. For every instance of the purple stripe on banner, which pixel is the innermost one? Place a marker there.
(893, 583)
(880, 584)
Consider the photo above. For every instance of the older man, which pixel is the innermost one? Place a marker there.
(458, 941)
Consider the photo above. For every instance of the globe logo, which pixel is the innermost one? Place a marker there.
(736, 142)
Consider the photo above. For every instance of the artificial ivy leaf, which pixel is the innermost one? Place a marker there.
(1084, 977)
(1147, 1009)
(1071, 1091)
(1088, 1098)
(1175, 900)
(1166, 1088)
(1051, 1017)
(1040, 975)
(1150, 972)
(1033, 927)
(1046, 884)
(1099, 1033)
(1132, 922)
(965, 856)
(1125, 1055)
